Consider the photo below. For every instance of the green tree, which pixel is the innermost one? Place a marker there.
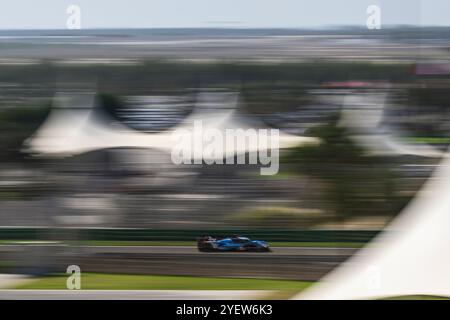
(355, 184)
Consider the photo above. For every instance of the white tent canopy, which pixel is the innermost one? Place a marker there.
(76, 126)
(363, 115)
(411, 257)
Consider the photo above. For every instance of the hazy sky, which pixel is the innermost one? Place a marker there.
(51, 14)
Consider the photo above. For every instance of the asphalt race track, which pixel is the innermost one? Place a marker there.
(299, 263)
(193, 250)
(132, 294)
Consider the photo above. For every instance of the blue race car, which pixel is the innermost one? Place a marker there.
(235, 243)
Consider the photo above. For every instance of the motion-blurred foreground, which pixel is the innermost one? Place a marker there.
(86, 172)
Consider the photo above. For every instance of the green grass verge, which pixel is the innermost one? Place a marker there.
(92, 281)
(283, 289)
(417, 297)
(430, 140)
